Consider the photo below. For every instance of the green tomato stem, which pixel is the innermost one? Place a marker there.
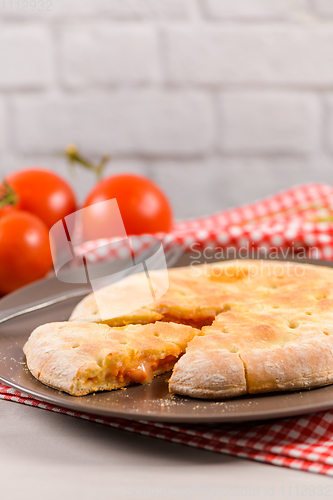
(9, 196)
(73, 156)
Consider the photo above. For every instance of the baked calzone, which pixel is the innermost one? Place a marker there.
(247, 326)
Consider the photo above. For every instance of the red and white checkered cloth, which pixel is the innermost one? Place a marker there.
(303, 443)
(296, 220)
(299, 219)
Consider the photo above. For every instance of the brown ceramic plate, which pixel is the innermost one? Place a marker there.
(148, 402)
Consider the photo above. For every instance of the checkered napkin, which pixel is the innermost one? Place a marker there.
(300, 219)
(303, 443)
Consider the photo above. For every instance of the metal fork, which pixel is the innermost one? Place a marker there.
(172, 252)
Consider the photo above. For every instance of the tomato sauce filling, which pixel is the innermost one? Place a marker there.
(144, 371)
(193, 322)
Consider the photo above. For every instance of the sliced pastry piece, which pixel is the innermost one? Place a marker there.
(80, 358)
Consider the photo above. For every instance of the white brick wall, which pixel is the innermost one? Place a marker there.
(206, 186)
(323, 7)
(2, 125)
(252, 9)
(123, 9)
(220, 101)
(268, 122)
(329, 124)
(26, 57)
(274, 54)
(124, 122)
(105, 55)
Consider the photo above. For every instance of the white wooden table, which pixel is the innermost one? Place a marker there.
(47, 456)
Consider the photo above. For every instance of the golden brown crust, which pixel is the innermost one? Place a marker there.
(80, 358)
(306, 364)
(207, 372)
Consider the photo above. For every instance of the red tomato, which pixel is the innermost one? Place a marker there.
(8, 209)
(43, 193)
(25, 254)
(143, 206)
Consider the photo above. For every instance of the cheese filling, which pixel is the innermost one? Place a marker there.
(143, 373)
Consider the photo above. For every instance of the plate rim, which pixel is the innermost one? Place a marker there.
(246, 417)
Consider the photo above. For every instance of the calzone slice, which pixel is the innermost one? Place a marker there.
(80, 358)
